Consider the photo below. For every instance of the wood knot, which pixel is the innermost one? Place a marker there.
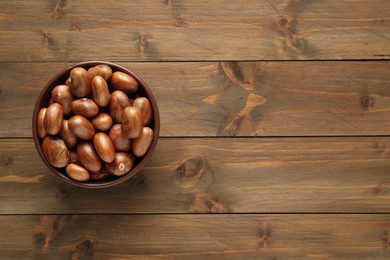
(76, 27)
(205, 203)
(57, 9)
(287, 24)
(179, 21)
(264, 235)
(386, 239)
(380, 21)
(189, 172)
(7, 161)
(232, 127)
(387, 243)
(39, 239)
(85, 246)
(141, 181)
(191, 167)
(243, 73)
(63, 192)
(283, 22)
(50, 229)
(236, 71)
(381, 148)
(46, 36)
(48, 41)
(291, 43)
(83, 249)
(143, 40)
(382, 188)
(367, 102)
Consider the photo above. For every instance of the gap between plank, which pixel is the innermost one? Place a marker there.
(241, 137)
(194, 61)
(192, 214)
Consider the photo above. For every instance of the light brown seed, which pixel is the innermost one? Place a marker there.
(69, 138)
(88, 157)
(61, 95)
(142, 143)
(132, 122)
(78, 173)
(118, 102)
(80, 82)
(40, 123)
(55, 151)
(104, 147)
(102, 70)
(85, 107)
(53, 119)
(120, 141)
(101, 94)
(124, 82)
(81, 127)
(122, 164)
(102, 121)
(143, 104)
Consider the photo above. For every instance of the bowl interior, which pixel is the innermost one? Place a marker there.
(43, 101)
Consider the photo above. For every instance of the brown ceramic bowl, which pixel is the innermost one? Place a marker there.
(43, 101)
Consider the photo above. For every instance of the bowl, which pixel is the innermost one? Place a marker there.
(43, 101)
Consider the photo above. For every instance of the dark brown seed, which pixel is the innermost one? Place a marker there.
(73, 157)
(101, 175)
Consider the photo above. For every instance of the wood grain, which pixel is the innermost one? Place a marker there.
(224, 175)
(233, 98)
(196, 237)
(199, 58)
(193, 30)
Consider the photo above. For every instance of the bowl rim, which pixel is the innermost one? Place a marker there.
(156, 129)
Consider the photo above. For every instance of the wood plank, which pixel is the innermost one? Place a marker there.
(149, 30)
(196, 236)
(233, 99)
(255, 175)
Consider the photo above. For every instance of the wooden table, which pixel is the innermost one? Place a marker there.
(274, 114)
